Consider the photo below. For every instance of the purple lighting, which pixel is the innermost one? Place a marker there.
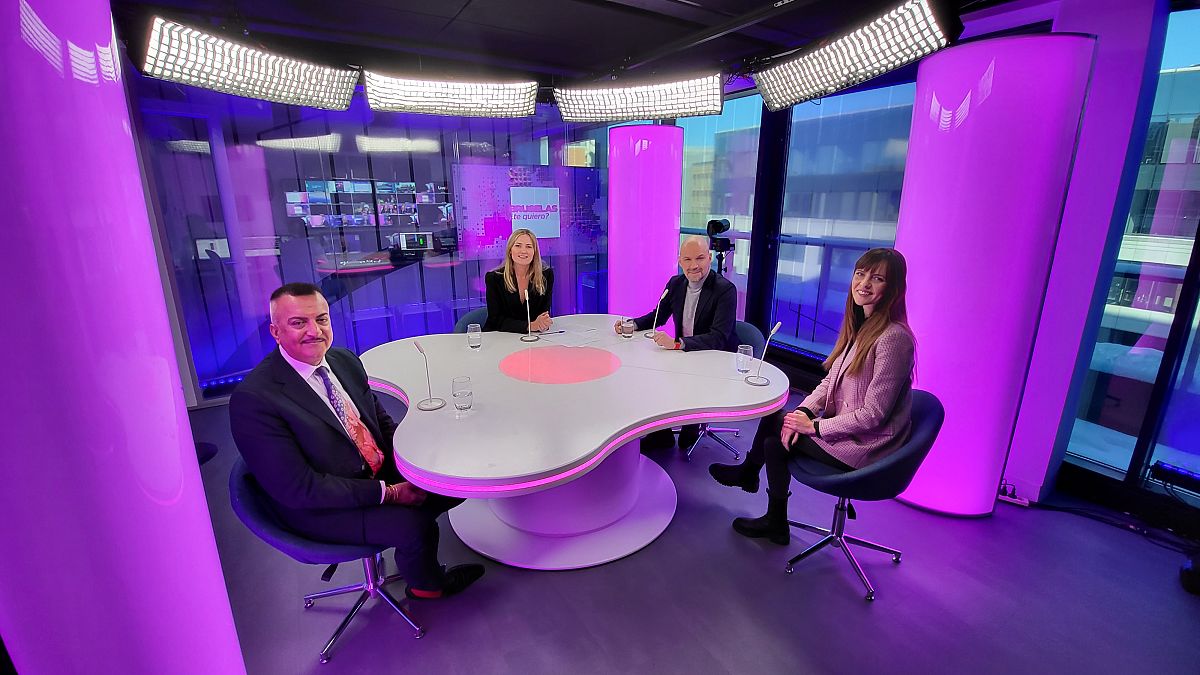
(645, 188)
(109, 562)
(993, 136)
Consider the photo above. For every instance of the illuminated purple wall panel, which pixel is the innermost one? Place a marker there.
(1129, 47)
(645, 190)
(993, 136)
(109, 561)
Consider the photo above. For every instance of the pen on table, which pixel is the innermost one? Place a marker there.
(553, 332)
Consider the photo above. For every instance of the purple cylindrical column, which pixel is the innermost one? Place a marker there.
(645, 192)
(993, 137)
(109, 562)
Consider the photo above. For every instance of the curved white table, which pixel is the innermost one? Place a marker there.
(553, 471)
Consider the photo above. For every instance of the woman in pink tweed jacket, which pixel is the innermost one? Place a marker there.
(858, 414)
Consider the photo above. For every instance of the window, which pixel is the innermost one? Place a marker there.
(720, 165)
(1144, 291)
(841, 197)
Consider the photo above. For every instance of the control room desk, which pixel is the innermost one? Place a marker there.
(548, 456)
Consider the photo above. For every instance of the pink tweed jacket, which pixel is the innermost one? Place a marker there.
(866, 416)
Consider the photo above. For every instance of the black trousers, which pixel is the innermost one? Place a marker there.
(768, 449)
(412, 530)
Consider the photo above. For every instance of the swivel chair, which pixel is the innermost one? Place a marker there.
(248, 503)
(882, 480)
(478, 316)
(747, 334)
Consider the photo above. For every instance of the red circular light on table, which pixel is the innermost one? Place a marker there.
(559, 365)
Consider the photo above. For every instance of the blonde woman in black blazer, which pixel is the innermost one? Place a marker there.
(507, 285)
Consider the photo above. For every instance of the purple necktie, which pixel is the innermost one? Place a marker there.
(335, 399)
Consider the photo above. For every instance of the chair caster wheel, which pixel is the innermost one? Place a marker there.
(788, 569)
(871, 596)
(737, 434)
(737, 457)
(896, 559)
(308, 603)
(419, 634)
(324, 659)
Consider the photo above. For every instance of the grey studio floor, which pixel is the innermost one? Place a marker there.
(1023, 591)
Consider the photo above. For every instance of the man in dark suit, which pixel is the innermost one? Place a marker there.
(704, 308)
(319, 444)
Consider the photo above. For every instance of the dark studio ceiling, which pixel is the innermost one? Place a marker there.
(552, 41)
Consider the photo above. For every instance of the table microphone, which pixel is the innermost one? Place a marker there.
(757, 379)
(430, 403)
(528, 336)
(654, 326)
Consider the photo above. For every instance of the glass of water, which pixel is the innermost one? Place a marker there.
(474, 336)
(745, 355)
(628, 327)
(462, 394)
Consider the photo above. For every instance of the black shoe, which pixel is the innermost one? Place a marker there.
(658, 440)
(735, 475)
(773, 526)
(688, 436)
(456, 581)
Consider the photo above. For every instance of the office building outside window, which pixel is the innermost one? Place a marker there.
(842, 197)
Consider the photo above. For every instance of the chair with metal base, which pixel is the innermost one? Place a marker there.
(747, 334)
(247, 499)
(882, 480)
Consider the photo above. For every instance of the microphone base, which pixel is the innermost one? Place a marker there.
(530, 338)
(650, 333)
(757, 381)
(431, 404)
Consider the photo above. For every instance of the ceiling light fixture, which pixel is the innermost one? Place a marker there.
(396, 144)
(687, 98)
(459, 99)
(177, 53)
(903, 35)
(327, 143)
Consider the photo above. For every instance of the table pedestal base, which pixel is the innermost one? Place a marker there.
(613, 511)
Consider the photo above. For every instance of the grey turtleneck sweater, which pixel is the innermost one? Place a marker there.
(690, 301)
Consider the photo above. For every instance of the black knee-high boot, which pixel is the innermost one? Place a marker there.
(773, 526)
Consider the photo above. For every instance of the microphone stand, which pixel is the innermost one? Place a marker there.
(757, 380)
(654, 325)
(528, 336)
(429, 403)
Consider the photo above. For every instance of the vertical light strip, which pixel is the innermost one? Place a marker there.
(645, 190)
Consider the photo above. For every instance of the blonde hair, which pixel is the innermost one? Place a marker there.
(537, 272)
(891, 308)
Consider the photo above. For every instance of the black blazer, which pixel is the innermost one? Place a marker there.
(505, 310)
(716, 313)
(295, 446)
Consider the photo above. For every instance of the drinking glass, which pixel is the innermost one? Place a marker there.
(745, 355)
(462, 394)
(628, 326)
(474, 336)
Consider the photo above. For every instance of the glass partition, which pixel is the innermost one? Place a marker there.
(396, 217)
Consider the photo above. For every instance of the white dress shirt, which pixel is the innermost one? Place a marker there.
(308, 373)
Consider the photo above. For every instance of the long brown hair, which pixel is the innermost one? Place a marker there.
(537, 272)
(890, 309)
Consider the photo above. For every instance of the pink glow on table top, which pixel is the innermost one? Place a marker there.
(557, 364)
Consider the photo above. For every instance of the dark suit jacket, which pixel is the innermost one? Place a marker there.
(716, 313)
(505, 310)
(295, 446)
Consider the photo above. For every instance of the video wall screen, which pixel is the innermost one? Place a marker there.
(552, 202)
